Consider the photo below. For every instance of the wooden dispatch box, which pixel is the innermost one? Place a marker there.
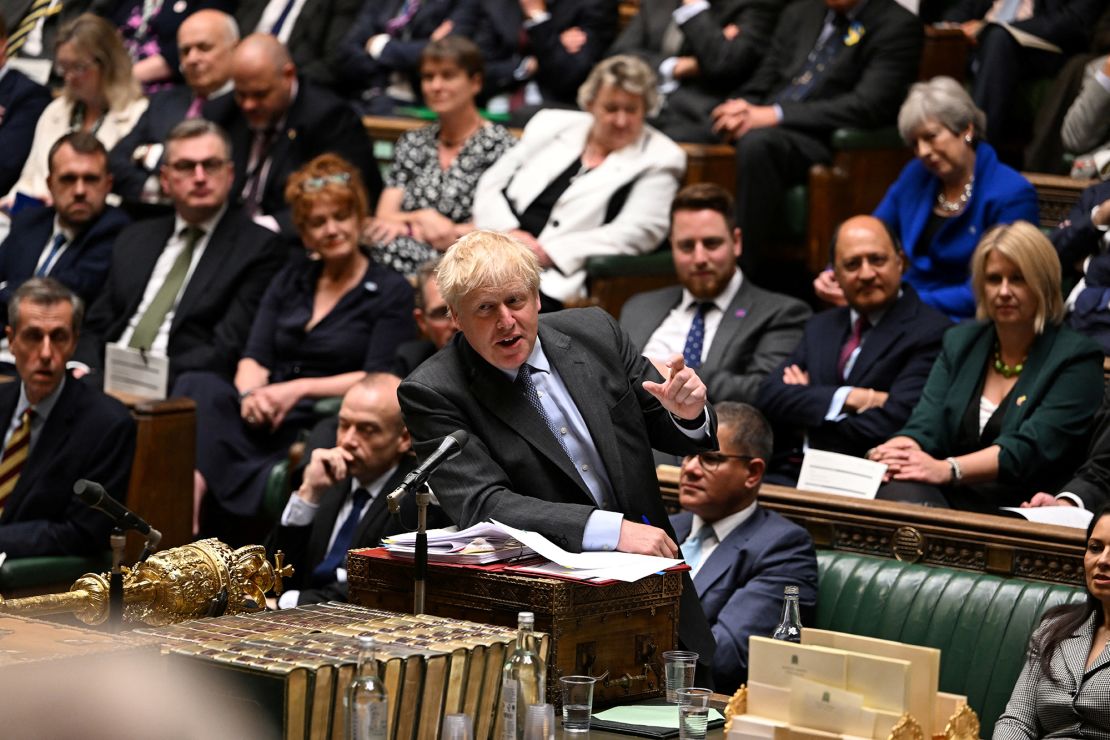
(616, 632)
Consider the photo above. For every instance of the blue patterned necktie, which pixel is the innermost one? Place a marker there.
(324, 573)
(695, 338)
(817, 64)
(524, 379)
(55, 247)
(692, 547)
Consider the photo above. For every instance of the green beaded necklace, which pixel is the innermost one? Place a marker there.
(1006, 371)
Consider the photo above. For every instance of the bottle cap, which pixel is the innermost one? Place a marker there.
(525, 618)
(790, 591)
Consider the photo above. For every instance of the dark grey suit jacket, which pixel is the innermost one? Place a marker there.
(315, 37)
(757, 332)
(513, 468)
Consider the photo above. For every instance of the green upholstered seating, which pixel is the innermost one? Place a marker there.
(42, 573)
(981, 623)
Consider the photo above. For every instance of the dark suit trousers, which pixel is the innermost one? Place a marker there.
(769, 161)
(1000, 65)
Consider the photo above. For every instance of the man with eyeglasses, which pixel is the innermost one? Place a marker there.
(186, 286)
(71, 241)
(433, 317)
(727, 328)
(741, 555)
(205, 42)
(859, 370)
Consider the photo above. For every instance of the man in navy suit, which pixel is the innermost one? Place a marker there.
(859, 370)
(205, 42)
(70, 241)
(57, 431)
(21, 103)
(340, 503)
(741, 555)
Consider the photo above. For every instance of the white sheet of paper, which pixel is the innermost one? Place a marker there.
(1064, 516)
(843, 475)
(127, 370)
(618, 566)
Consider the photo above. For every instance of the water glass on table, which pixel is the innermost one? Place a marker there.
(578, 702)
(539, 722)
(679, 671)
(693, 713)
(457, 727)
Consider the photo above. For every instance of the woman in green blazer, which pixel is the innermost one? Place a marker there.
(1009, 401)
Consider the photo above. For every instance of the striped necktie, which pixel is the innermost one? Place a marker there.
(56, 245)
(38, 9)
(15, 455)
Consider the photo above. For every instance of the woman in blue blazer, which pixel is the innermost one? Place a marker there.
(948, 197)
(1009, 402)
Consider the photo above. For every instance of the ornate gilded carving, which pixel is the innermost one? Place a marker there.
(906, 729)
(908, 544)
(957, 554)
(170, 586)
(963, 725)
(737, 705)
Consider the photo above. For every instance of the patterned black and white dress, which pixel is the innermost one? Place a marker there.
(425, 184)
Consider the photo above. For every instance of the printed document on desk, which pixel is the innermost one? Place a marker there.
(617, 566)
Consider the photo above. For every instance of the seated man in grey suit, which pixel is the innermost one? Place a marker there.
(562, 413)
(341, 501)
(728, 329)
(858, 372)
(741, 554)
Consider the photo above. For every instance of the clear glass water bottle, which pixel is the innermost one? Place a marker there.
(367, 701)
(790, 626)
(522, 680)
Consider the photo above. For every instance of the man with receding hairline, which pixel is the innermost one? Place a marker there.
(277, 122)
(205, 42)
(859, 370)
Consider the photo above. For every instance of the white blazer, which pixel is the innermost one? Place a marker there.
(552, 140)
(54, 123)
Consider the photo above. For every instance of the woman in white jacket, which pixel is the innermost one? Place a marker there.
(584, 183)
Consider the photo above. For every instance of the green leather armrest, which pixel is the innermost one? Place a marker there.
(276, 492)
(631, 265)
(20, 573)
(844, 139)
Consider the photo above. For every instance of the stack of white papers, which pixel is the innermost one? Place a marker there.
(478, 545)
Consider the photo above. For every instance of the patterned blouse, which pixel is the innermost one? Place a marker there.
(425, 184)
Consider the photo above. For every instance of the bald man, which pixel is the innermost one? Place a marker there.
(205, 42)
(859, 370)
(278, 121)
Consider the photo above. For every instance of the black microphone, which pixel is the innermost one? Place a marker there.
(95, 496)
(451, 446)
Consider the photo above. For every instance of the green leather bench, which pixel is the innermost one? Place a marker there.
(981, 623)
(48, 574)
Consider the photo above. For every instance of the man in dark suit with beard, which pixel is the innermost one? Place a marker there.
(186, 286)
(71, 241)
(278, 122)
(562, 415)
(341, 501)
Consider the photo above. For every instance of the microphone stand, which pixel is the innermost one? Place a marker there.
(423, 498)
(118, 541)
